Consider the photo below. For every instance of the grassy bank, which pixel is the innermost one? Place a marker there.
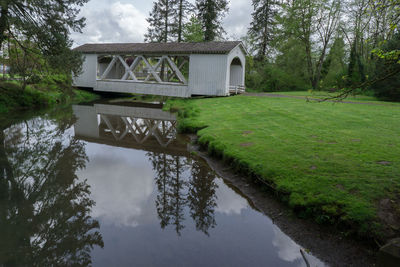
(338, 163)
(14, 97)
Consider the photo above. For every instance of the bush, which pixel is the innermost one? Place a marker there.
(388, 89)
(270, 78)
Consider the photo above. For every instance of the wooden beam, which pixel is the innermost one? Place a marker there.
(155, 68)
(180, 67)
(152, 71)
(109, 67)
(177, 71)
(127, 70)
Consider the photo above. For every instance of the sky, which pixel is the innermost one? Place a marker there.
(125, 20)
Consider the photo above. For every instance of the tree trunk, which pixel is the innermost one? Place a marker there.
(180, 18)
(3, 21)
(309, 64)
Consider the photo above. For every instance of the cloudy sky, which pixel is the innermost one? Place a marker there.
(125, 20)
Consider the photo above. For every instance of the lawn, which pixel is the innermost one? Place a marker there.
(336, 162)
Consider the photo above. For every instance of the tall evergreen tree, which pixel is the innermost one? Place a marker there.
(262, 27)
(166, 20)
(184, 8)
(210, 13)
(162, 23)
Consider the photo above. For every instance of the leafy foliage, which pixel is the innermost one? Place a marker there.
(328, 45)
(388, 61)
(47, 25)
(192, 31)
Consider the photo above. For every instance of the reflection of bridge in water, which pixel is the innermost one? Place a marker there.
(185, 187)
(134, 125)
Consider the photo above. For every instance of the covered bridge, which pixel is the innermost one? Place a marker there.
(169, 69)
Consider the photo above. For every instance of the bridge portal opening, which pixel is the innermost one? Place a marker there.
(236, 73)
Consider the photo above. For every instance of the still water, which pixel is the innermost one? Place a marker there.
(113, 184)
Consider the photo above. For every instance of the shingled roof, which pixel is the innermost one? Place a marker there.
(159, 48)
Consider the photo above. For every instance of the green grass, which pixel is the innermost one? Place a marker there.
(13, 97)
(333, 161)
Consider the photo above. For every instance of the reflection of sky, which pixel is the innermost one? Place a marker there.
(289, 251)
(121, 183)
(123, 187)
(228, 201)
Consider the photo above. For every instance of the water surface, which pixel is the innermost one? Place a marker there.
(113, 184)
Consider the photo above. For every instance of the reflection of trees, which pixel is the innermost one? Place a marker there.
(44, 208)
(202, 198)
(170, 201)
(178, 200)
(176, 191)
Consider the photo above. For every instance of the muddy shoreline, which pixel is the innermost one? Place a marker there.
(325, 242)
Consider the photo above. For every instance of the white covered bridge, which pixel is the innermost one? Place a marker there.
(168, 69)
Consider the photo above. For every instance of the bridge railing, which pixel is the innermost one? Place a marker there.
(237, 89)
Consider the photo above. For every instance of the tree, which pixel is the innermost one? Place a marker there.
(387, 63)
(166, 21)
(334, 67)
(262, 26)
(210, 14)
(313, 23)
(161, 22)
(192, 31)
(47, 23)
(373, 62)
(184, 7)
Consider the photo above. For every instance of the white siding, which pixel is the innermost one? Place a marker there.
(86, 124)
(143, 88)
(208, 74)
(89, 72)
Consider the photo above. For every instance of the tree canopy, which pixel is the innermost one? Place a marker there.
(210, 14)
(338, 46)
(166, 20)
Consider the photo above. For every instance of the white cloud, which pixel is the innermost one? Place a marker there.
(125, 20)
(238, 19)
(121, 183)
(117, 22)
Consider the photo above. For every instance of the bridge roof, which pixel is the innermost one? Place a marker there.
(160, 48)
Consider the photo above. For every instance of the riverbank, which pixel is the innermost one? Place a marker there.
(337, 163)
(13, 97)
(320, 240)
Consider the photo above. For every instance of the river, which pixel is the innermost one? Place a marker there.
(113, 184)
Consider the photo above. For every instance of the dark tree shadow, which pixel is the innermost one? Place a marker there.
(44, 208)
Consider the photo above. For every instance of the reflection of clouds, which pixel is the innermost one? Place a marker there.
(228, 201)
(121, 185)
(289, 251)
